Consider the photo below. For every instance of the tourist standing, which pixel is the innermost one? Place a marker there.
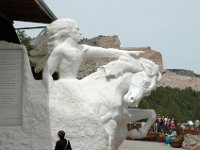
(172, 124)
(62, 144)
(168, 125)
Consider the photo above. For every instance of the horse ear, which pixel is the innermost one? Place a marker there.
(150, 67)
(147, 67)
(159, 77)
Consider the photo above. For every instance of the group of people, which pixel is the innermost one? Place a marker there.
(164, 124)
(193, 125)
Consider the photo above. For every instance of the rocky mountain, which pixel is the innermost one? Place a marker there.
(175, 78)
(103, 41)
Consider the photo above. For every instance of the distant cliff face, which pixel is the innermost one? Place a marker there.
(173, 78)
(181, 81)
(103, 41)
(114, 42)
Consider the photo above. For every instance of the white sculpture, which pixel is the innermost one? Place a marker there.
(111, 90)
(120, 94)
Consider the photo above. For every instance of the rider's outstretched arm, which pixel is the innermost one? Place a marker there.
(97, 52)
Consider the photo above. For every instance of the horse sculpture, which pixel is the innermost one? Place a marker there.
(115, 96)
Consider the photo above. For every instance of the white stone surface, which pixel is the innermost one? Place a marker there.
(70, 111)
(34, 134)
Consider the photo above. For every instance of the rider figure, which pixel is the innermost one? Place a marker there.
(67, 53)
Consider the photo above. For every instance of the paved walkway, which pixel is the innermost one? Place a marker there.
(145, 145)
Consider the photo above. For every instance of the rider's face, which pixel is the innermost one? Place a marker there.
(75, 33)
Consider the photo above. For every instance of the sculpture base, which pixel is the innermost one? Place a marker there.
(70, 111)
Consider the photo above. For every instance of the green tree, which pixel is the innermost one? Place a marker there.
(182, 104)
(25, 39)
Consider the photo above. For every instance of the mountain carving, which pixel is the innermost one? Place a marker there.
(175, 78)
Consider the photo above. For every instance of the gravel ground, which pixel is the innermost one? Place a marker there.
(144, 145)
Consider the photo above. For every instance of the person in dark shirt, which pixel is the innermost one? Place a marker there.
(62, 144)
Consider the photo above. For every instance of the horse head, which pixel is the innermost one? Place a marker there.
(142, 83)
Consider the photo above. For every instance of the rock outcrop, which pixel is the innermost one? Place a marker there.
(191, 142)
(103, 41)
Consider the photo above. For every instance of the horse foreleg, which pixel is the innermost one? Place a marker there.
(139, 114)
(105, 118)
(110, 126)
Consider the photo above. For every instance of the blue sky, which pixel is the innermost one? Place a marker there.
(171, 27)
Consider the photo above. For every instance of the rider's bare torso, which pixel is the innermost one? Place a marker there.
(70, 58)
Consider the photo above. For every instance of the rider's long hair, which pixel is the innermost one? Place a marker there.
(58, 31)
(51, 36)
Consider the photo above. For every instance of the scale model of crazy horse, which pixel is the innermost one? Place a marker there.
(95, 110)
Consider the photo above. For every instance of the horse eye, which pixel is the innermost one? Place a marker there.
(146, 84)
(133, 98)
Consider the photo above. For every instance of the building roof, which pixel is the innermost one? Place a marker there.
(26, 10)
